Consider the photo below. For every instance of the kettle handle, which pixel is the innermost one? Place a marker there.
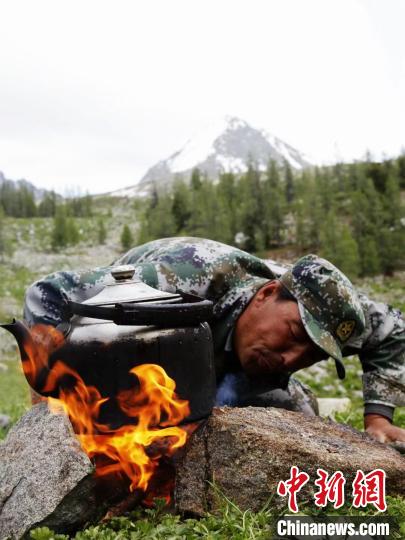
(186, 314)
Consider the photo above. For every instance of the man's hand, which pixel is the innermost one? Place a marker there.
(380, 428)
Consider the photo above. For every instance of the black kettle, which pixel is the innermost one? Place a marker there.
(125, 325)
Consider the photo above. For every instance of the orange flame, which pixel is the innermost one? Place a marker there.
(155, 408)
(43, 340)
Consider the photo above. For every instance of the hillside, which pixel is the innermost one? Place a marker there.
(351, 214)
(29, 254)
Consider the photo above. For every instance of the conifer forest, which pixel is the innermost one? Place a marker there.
(352, 214)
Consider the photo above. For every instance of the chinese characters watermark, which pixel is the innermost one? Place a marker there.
(366, 488)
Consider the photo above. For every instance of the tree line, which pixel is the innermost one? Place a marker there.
(19, 201)
(351, 214)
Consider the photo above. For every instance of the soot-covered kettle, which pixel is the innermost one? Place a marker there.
(126, 324)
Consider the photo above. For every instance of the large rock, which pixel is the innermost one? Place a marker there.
(246, 452)
(45, 477)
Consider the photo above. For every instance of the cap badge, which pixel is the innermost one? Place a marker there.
(345, 330)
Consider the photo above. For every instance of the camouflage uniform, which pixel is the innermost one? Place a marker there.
(230, 278)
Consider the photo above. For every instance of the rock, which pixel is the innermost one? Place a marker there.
(45, 477)
(4, 420)
(330, 406)
(246, 452)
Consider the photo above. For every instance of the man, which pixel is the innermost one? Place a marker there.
(268, 322)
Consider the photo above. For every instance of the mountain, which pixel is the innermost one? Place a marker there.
(226, 145)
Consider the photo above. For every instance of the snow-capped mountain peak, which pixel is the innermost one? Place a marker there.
(202, 144)
(223, 145)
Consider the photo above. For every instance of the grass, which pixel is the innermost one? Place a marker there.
(157, 524)
(14, 392)
(230, 523)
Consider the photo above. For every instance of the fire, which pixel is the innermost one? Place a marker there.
(134, 449)
(38, 344)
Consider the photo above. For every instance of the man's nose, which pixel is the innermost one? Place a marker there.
(292, 356)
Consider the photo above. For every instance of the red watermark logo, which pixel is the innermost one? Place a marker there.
(292, 486)
(366, 488)
(370, 489)
(330, 489)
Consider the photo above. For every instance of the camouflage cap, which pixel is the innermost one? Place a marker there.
(328, 304)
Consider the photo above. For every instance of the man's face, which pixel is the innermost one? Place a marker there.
(270, 337)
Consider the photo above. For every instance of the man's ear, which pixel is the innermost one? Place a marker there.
(271, 288)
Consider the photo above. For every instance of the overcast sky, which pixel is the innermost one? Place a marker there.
(93, 93)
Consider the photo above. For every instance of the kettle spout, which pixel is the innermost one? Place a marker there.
(21, 332)
(34, 351)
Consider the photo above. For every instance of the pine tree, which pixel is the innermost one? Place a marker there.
(196, 221)
(391, 201)
(47, 206)
(210, 211)
(370, 260)
(316, 215)
(252, 208)
(392, 232)
(101, 232)
(289, 182)
(226, 194)
(323, 188)
(72, 232)
(17, 201)
(59, 237)
(87, 205)
(274, 209)
(329, 237)
(339, 246)
(181, 206)
(195, 180)
(348, 256)
(301, 234)
(400, 165)
(27, 206)
(391, 249)
(367, 221)
(308, 214)
(3, 245)
(126, 238)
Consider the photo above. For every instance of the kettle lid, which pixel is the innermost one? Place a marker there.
(126, 288)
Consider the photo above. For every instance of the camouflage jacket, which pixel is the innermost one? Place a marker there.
(229, 278)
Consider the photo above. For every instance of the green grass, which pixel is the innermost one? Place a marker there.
(156, 524)
(14, 282)
(229, 523)
(14, 392)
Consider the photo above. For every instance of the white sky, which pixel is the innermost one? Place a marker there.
(93, 92)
